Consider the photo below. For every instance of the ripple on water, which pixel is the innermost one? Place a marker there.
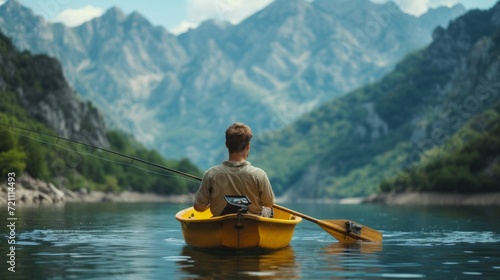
(27, 243)
(471, 273)
(177, 258)
(425, 239)
(174, 241)
(402, 275)
(50, 254)
(61, 238)
(260, 273)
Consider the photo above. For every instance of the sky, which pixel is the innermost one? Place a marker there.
(178, 16)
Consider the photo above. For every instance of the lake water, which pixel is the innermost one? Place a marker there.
(144, 241)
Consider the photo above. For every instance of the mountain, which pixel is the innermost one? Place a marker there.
(37, 102)
(177, 94)
(113, 61)
(387, 129)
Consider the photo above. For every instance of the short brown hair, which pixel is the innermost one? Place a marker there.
(238, 135)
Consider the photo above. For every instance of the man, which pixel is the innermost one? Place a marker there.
(236, 176)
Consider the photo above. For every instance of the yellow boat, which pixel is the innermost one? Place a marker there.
(237, 231)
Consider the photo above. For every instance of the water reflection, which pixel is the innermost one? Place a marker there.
(345, 260)
(257, 264)
(352, 248)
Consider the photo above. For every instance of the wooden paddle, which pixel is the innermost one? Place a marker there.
(342, 230)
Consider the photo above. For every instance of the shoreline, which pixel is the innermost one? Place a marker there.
(435, 199)
(31, 192)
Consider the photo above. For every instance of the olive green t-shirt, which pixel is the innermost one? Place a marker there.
(234, 178)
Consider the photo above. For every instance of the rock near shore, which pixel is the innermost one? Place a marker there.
(435, 198)
(30, 191)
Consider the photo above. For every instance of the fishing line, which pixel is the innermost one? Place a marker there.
(186, 176)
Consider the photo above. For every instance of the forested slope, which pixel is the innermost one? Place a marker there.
(36, 96)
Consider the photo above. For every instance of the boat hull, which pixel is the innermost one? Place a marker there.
(201, 230)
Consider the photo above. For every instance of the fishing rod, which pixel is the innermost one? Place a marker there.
(342, 230)
(94, 147)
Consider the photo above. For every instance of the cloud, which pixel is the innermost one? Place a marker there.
(233, 11)
(414, 7)
(74, 17)
(419, 7)
(183, 26)
(447, 3)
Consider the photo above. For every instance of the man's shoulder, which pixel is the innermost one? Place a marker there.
(215, 168)
(256, 170)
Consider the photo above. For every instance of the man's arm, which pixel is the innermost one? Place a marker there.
(202, 197)
(267, 197)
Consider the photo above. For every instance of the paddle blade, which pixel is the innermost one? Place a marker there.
(342, 230)
(349, 231)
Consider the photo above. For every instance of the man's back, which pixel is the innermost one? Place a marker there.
(235, 178)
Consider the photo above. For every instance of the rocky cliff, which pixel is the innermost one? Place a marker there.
(31, 191)
(41, 88)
